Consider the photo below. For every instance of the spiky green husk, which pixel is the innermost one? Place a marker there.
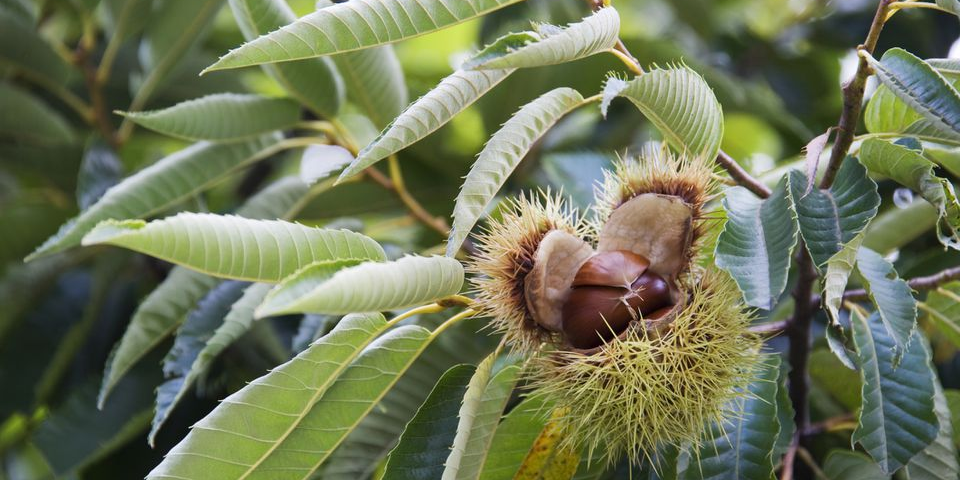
(657, 170)
(648, 389)
(506, 250)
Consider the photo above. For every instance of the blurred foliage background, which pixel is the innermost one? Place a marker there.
(775, 66)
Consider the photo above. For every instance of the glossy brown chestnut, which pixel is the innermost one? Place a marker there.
(610, 290)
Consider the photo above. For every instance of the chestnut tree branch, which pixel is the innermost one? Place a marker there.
(739, 175)
(853, 98)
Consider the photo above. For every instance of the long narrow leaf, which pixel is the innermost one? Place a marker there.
(422, 448)
(897, 419)
(502, 154)
(353, 26)
(756, 243)
(550, 45)
(921, 87)
(480, 413)
(222, 116)
(371, 286)
(896, 307)
(288, 421)
(159, 186)
(424, 116)
(167, 305)
(235, 247)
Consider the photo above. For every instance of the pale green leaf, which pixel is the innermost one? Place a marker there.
(28, 53)
(943, 310)
(423, 446)
(921, 87)
(896, 227)
(848, 465)
(362, 452)
(35, 121)
(939, 459)
(191, 338)
(221, 117)
(479, 415)
(911, 170)
(680, 104)
(756, 243)
(830, 219)
(316, 83)
(514, 437)
(167, 305)
(743, 448)
(424, 116)
(897, 419)
(287, 422)
(319, 161)
(896, 307)
(353, 26)
(234, 247)
(502, 154)
(550, 45)
(952, 6)
(367, 287)
(886, 113)
(161, 185)
(839, 268)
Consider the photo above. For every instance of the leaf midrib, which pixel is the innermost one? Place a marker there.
(334, 376)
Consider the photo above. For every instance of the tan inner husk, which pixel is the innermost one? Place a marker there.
(658, 227)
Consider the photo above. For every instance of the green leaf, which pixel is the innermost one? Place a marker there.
(847, 465)
(161, 185)
(952, 6)
(27, 52)
(483, 405)
(897, 419)
(743, 449)
(513, 439)
(221, 117)
(292, 418)
(191, 338)
(896, 306)
(679, 103)
(234, 247)
(167, 305)
(34, 122)
(376, 82)
(550, 45)
(885, 113)
(939, 459)
(428, 113)
(550, 457)
(355, 25)
(371, 286)
(896, 227)
(911, 170)
(785, 415)
(366, 447)
(830, 219)
(315, 83)
(423, 446)
(943, 310)
(756, 243)
(839, 268)
(921, 87)
(502, 154)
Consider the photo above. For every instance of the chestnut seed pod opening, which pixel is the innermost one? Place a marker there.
(610, 290)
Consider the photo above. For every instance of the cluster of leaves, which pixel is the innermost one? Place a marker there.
(282, 276)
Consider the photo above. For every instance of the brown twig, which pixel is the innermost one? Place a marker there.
(739, 175)
(98, 107)
(798, 335)
(786, 472)
(853, 98)
(826, 425)
(928, 282)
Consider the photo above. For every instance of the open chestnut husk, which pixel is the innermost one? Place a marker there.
(610, 290)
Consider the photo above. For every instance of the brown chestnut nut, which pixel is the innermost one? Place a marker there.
(618, 268)
(610, 290)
